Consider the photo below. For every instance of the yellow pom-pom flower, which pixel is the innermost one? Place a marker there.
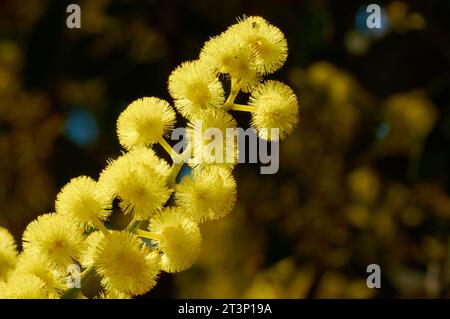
(56, 237)
(144, 157)
(81, 200)
(126, 264)
(178, 239)
(227, 54)
(144, 122)
(32, 262)
(207, 136)
(194, 88)
(90, 245)
(209, 193)
(8, 253)
(24, 286)
(276, 106)
(267, 41)
(141, 189)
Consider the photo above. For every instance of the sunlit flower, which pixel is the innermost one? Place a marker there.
(227, 54)
(126, 264)
(82, 201)
(265, 39)
(207, 135)
(57, 238)
(144, 122)
(90, 245)
(32, 262)
(141, 188)
(194, 88)
(276, 106)
(208, 193)
(179, 239)
(24, 286)
(8, 253)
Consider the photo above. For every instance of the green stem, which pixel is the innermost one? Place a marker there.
(235, 87)
(174, 171)
(73, 292)
(243, 108)
(132, 225)
(149, 235)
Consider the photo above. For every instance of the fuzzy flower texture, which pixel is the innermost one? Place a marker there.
(162, 235)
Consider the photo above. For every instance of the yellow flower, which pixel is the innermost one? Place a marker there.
(32, 262)
(82, 201)
(126, 264)
(57, 238)
(24, 286)
(267, 41)
(208, 193)
(179, 239)
(141, 188)
(144, 122)
(8, 253)
(114, 294)
(227, 54)
(276, 106)
(194, 88)
(207, 136)
(90, 245)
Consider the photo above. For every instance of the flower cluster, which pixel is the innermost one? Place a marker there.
(164, 234)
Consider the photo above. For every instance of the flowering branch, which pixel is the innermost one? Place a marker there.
(143, 183)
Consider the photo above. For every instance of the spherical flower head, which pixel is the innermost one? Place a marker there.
(145, 157)
(56, 237)
(194, 87)
(126, 264)
(142, 190)
(8, 253)
(180, 239)
(208, 193)
(81, 201)
(265, 39)
(212, 140)
(276, 107)
(227, 54)
(144, 122)
(32, 262)
(24, 286)
(90, 245)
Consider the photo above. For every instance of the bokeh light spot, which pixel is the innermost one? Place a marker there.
(81, 127)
